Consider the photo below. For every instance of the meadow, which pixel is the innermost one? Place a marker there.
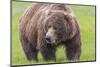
(86, 18)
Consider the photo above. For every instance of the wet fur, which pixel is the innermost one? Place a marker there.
(33, 27)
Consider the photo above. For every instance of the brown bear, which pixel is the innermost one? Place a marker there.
(43, 27)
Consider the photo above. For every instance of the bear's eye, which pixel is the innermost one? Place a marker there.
(55, 28)
(49, 26)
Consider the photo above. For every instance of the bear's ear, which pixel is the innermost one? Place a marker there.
(69, 16)
(47, 12)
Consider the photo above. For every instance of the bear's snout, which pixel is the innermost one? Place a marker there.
(50, 36)
(48, 39)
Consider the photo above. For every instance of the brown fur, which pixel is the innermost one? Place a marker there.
(34, 25)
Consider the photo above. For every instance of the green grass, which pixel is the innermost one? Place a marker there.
(86, 18)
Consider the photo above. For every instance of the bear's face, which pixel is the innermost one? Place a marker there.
(51, 36)
(55, 29)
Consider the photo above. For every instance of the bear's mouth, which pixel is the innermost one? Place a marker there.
(51, 41)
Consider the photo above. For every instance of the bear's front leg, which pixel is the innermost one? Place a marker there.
(73, 53)
(48, 53)
(29, 50)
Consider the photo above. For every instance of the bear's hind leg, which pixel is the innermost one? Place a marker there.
(73, 49)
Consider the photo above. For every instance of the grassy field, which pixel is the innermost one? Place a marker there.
(86, 18)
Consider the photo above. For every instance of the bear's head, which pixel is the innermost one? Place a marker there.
(56, 27)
